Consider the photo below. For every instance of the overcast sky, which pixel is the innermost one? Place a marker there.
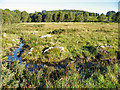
(97, 6)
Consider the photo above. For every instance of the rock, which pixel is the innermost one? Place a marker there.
(45, 36)
(61, 48)
(30, 51)
(105, 46)
(48, 49)
(32, 33)
(4, 34)
(13, 40)
(102, 46)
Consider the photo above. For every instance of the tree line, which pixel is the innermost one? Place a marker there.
(16, 16)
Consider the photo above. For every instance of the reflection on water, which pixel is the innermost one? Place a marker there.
(17, 56)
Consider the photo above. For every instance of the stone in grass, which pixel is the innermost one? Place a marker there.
(109, 46)
(14, 40)
(102, 46)
(33, 33)
(4, 34)
(45, 36)
(30, 51)
(61, 48)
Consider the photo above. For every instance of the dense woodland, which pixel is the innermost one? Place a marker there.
(16, 16)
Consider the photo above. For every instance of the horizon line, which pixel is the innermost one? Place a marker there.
(59, 10)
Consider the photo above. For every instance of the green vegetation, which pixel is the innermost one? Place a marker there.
(97, 43)
(16, 16)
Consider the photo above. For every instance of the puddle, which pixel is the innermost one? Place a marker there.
(17, 56)
(62, 64)
(17, 53)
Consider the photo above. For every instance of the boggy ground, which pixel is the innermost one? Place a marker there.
(95, 40)
(88, 48)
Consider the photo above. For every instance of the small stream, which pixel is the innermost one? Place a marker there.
(17, 56)
(31, 66)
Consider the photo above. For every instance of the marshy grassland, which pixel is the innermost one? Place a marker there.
(83, 43)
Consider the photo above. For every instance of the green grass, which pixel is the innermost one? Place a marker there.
(80, 41)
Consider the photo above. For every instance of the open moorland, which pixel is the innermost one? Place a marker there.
(66, 55)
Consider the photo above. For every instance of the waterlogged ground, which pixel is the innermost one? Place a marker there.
(93, 40)
(84, 47)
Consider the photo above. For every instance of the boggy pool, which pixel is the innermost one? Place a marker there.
(17, 56)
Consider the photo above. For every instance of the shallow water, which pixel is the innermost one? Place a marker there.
(31, 66)
(15, 57)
